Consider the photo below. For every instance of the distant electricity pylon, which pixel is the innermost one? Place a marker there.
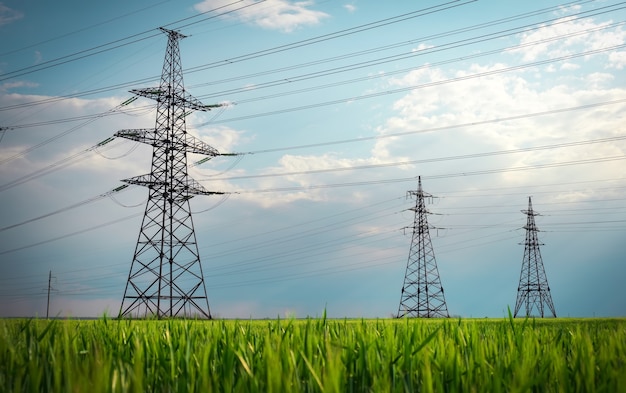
(422, 293)
(49, 289)
(165, 278)
(533, 291)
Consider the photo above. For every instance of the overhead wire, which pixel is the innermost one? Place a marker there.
(430, 160)
(81, 29)
(121, 188)
(441, 128)
(333, 35)
(156, 78)
(64, 133)
(252, 55)
(408, 55)
(98, 48)
(415, 87)
(439, 176)
(347, 68)
(60, 164)
(67, 235)
(348, 184)
(388, 46)
(444, 248)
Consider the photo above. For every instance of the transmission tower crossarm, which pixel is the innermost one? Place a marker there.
(150, 136)
(184, 100)
(198, 189)
(189, 186)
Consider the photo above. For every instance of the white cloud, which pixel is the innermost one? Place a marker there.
(569, 66)
(617, 60)
(564, 10)
(9, 15)
(17, 84)
(350, 7)
(500, 96)
(579, 35)
(281, 15)
(422, 47)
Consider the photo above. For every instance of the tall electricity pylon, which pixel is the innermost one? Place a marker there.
(422, 293)
(165, 278)
(533, 291)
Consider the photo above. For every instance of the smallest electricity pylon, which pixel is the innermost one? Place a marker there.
(422, 293)
(533, 291)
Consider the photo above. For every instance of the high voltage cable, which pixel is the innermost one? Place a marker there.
(415, 87)
(81, 29)
(441, 176)
(143, 109)
(320, 249)
(348, 68)
(397, 198)
(45, 170)
(39, 67)
(372, 182)
(420, 52)
(113, 87)
(70, 207)
(471, 124)
(300, 235)
(277, 259)
(63, 163)
(428, 160)
(275, 49)
(90, 52)
(67, 132)
(408, 55)
(155, 78)
(385, 47)
(329, 36)
(82, 231)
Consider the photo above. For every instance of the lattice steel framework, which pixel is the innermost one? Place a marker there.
(165, 278)
(422, 293)
(533, 291)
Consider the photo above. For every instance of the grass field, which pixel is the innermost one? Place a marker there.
(314, 355)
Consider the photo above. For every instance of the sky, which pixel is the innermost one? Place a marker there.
(334, 108)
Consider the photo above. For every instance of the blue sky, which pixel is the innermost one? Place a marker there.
(340, 105)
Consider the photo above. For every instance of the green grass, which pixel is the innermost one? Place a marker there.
(314, 355)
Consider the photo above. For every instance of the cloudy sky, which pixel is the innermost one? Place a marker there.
(336, 108)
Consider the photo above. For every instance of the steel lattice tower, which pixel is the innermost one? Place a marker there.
(165, 278)
(422, 293)
(533, 291)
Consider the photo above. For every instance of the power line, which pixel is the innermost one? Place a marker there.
(67, 132)
(593, 12)
(414, 87)
(333, 35)
(429, 160)
(402, 56)
(373, 182)
(121, 188)
(81, 29)
(474, 123)
(97, 49)
(394, 45)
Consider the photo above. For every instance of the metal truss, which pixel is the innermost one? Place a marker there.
(422, 293)
(533, 292)
(165, 278)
